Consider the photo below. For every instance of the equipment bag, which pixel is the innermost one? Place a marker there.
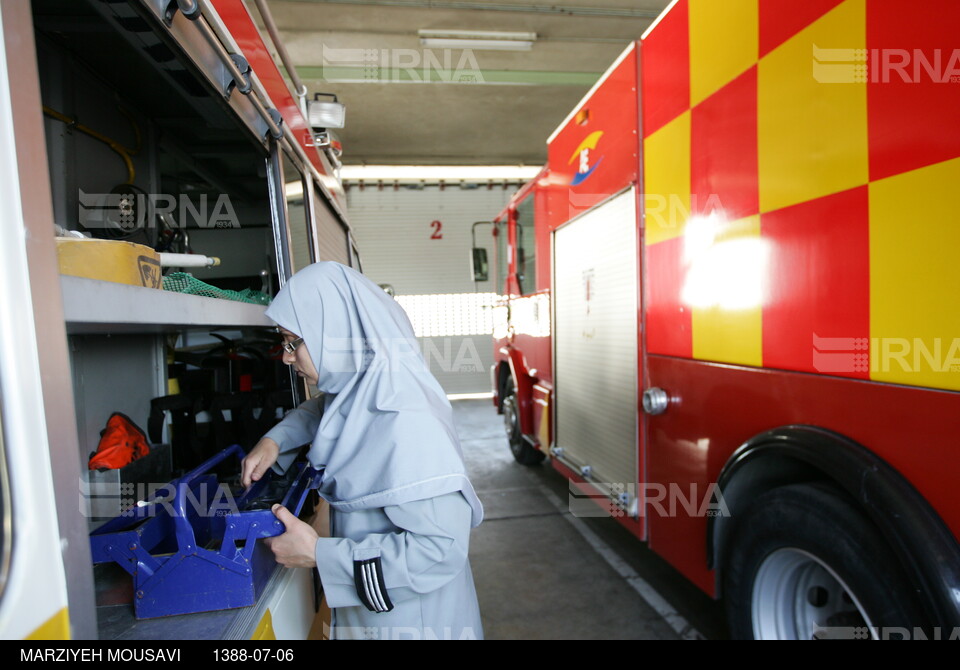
(121, 442)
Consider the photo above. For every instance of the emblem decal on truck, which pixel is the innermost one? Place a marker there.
(582, 153)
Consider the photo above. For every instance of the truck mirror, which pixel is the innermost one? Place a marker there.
(478, 264)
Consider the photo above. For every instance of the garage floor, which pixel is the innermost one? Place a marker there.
(542, 573)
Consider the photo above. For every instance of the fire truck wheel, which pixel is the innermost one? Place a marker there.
(521, 449)
(804, 563)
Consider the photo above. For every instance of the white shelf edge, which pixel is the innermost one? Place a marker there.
(94, 306)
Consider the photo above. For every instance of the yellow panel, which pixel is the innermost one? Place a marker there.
(812, 123)
(56, 627)
(264, 630)
(109, 260)
(544, 433)
(724, 42)
(666, 165)
(727, 264)
(914, 277)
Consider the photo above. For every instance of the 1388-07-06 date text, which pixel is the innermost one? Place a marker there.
(254, 654)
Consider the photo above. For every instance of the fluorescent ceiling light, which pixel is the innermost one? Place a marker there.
(478, 35)
(477, 39)
(479, 45)
(452, 173)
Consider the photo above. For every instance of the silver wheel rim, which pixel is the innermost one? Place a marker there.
(508, 413)
(796, 596)
(510, 418)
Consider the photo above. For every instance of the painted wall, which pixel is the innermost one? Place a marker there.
(418, 240)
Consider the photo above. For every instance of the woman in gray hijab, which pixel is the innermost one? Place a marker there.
(401, 505)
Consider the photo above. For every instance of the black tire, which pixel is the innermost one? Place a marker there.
(522, 451)
(804, 562)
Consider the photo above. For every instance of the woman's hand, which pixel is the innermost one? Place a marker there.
(256, 463)
(296, 547)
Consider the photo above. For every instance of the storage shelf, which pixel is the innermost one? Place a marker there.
(93, 306)
(116, 620)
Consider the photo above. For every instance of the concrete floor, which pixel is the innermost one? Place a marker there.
(542, 573)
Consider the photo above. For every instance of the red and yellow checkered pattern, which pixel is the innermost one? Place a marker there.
(799, 161)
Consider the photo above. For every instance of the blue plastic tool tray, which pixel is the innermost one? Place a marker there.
(193, 547)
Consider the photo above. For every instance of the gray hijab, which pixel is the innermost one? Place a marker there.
(387, 435)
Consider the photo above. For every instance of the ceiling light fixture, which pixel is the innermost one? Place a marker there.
(481, 40)
(450, 173)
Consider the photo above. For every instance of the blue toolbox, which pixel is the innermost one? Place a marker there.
(193, 545)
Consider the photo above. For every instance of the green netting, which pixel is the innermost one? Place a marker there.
(184, 282)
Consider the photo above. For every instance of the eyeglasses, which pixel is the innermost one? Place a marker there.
(291, 347)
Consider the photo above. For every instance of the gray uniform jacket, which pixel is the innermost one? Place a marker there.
(396, 572)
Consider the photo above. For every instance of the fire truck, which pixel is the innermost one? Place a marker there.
(729, 313)
(164, 125)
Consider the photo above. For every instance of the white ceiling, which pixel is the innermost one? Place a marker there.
(505, 104)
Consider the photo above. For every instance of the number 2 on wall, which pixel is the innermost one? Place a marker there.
(437, 235)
